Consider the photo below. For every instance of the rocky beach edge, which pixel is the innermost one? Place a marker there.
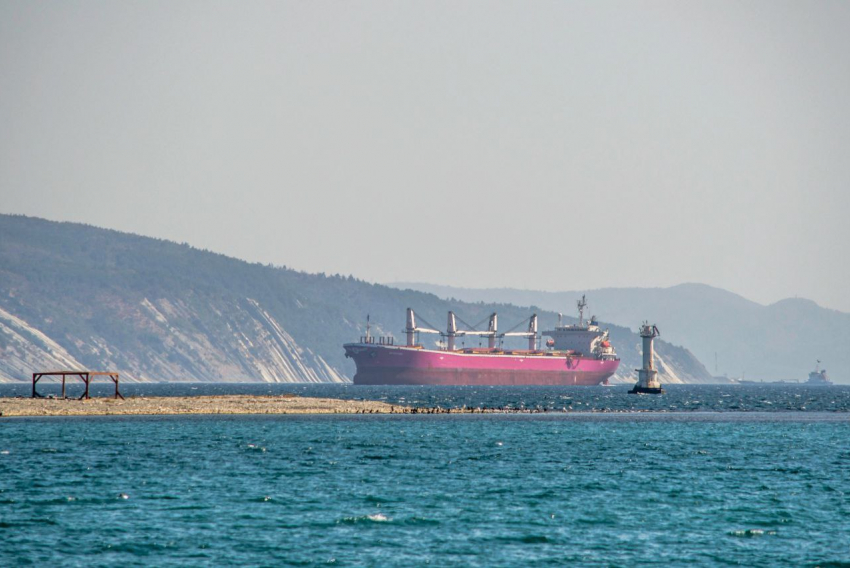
(163, 405)
(227, 404)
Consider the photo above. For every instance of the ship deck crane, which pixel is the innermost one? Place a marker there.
(531, 333)
(411, 330)
(452, 332)
(489, 333)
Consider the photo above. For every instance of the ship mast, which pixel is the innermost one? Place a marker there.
(491, 338)
(582, 304)
(490, 333)
(411, 330)
(451, 332)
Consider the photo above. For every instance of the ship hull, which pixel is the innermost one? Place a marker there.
(391, 365)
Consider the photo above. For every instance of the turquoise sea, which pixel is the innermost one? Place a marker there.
(764, 483)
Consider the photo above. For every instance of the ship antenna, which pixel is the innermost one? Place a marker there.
(582, 304)
(368, 327)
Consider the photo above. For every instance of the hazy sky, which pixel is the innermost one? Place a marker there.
(549, 145)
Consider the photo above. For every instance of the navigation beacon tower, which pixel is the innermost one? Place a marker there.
(648, 375)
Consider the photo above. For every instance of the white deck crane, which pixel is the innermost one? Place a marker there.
(411, 330)
(531, 333)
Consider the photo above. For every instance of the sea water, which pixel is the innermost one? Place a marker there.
(665, 486)
(678, 398)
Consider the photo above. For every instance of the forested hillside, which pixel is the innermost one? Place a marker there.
(73, 295)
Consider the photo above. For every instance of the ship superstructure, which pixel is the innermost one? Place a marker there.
(584, 338)
(579, 354)
(818, 377)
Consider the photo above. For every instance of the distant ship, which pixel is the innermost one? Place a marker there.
(818, 376)
(579, 354)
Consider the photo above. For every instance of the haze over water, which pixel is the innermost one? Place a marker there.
(750, 486)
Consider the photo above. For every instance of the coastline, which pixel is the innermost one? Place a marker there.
(289, 404)
(218, 404)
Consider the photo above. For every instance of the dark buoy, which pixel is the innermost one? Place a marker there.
(648, 376)
(637, 389)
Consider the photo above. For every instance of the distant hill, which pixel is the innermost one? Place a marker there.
(781, 341)
(75, 296)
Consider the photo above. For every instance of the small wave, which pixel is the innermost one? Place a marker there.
(53, 501)
(376, 499)
(527, 539)
(261, 499)
(535, 539)
(374, 518)
(751, 533)
(41, 521)
(421, 521)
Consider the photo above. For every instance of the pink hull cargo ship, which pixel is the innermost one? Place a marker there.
(574, 355)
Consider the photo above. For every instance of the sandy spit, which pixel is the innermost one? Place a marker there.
(236, 404)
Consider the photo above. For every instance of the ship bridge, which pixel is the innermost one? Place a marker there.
(582, 339)
(586, 338)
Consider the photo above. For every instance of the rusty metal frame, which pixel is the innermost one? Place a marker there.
(111, 375)
(85, 376)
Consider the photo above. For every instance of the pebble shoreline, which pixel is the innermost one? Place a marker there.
(164, 405)
(226, 404)
(288, 404)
